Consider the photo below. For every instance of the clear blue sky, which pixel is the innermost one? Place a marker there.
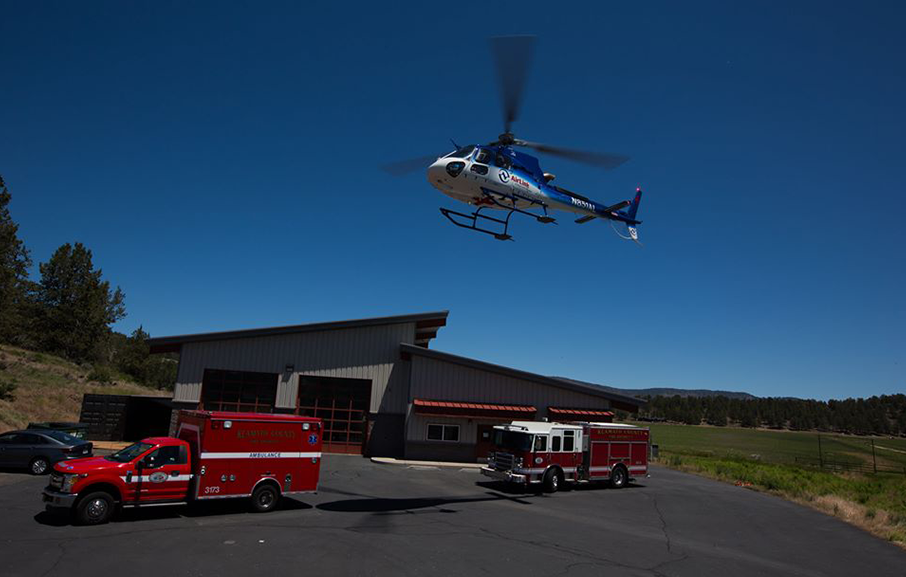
(222, 162)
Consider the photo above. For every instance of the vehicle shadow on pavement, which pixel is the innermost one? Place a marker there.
(388, 505)
(202, 509)
(537, 490)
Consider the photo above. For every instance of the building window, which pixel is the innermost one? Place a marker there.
(449, 433)
(569, 441)
(239, 391)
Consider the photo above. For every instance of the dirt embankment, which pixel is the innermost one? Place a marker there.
(48, 388)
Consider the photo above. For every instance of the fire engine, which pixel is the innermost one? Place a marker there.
(530, 452)
(215, 455)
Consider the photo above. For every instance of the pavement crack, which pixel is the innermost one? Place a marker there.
(62, 548)
(660, 515)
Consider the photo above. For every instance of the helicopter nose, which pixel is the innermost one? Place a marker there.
(437, 172)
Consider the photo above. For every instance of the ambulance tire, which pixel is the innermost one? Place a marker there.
(94, 509)
(619, 477)
(265, 498)
(552, 480)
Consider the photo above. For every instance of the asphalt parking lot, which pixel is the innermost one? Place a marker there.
(373, 519)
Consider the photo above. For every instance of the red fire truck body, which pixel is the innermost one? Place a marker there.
(530, 452)
(215, 455)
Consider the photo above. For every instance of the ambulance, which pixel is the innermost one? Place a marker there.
(215, 455)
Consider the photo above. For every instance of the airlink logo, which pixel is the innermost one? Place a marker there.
(582, 203)
(520, 181)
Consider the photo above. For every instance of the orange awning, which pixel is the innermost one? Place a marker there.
(475, 410)
(578, 414)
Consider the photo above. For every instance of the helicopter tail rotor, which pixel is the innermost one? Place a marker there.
(626, 221)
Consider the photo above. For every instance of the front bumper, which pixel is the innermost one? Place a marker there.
(508, 476)
(56, 499)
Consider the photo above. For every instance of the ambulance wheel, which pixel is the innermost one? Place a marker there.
(619, 477)
(265, 498)
(551, 481)
(94, 508)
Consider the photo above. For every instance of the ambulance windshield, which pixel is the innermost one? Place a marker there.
(513, 440)
(129, 453)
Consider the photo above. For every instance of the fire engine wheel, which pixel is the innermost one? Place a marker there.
(38, 466)
(94, 508)
(551, 481)
(619, 477)
(265, 498)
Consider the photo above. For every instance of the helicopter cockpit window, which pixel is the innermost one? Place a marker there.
(463, 152)
(502, 161)
(483, 156)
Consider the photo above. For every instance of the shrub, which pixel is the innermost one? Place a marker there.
(101, 374)
(7, 391)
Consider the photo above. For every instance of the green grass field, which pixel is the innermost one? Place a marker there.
(774, 461)
(776, 446)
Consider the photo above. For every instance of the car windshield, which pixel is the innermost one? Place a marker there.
(62, 437)
(513, 440)
(129, 453)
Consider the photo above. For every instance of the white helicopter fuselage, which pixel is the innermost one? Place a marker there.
(474, 181)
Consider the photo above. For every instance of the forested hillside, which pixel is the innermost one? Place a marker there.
(68, 311)
(884, 415)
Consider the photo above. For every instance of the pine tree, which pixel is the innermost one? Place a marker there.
(76, 306)
(14, 285)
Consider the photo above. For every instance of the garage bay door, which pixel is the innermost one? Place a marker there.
(343, 406)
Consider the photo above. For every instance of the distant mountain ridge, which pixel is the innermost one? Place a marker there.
(667, 391)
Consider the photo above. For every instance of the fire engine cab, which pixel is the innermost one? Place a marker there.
(530, 452)
(215, 455)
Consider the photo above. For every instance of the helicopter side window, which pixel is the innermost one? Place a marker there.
(502, 161)
(483, 156)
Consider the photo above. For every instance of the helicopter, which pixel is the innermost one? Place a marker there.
(498, 177)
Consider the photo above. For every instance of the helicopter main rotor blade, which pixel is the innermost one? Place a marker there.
(512, 55)
(404, 167)
(604, 159)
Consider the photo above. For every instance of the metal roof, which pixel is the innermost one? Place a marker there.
(623, 402)
(426, 327)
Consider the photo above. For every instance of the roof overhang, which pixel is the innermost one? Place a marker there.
(473, 410)
(426, 327)
(617, 401)
(578, 414)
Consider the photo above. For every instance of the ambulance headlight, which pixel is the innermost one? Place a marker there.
(454, 168)
(69, 482)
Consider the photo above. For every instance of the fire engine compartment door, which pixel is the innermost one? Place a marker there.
(599, 467)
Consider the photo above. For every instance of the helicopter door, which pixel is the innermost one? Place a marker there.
(479, 168)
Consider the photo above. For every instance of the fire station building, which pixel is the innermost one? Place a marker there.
(377, 386)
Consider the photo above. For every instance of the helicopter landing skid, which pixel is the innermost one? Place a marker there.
(471, 221)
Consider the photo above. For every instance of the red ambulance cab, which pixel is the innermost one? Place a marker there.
(531, 452)
(215, 455)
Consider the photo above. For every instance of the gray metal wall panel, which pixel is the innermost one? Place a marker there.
(360, 353)
(417, 427)
(438, 380)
